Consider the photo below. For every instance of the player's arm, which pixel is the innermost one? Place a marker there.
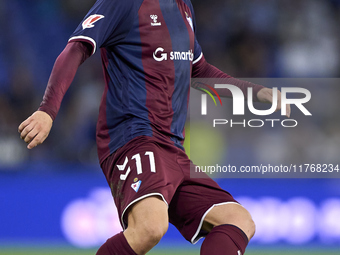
(202, 69)
(35, 129)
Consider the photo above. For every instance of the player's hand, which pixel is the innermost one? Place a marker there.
(35, 129)
(265, 95)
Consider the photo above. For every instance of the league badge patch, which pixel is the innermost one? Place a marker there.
(189, 19)
(136, 184)
(88, 23)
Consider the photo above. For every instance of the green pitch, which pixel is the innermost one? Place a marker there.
(68, 251)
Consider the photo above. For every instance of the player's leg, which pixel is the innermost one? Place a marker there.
(143, 177)
(231, 214)
(147, 223)
(201, 208)
(230, 227)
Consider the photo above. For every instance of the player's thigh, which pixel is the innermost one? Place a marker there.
(149, 217)
(230, 213)
(147, 223)
(143, 168)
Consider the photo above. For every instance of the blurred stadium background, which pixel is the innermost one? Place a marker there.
(54, 199)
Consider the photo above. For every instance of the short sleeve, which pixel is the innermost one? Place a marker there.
(107, 23)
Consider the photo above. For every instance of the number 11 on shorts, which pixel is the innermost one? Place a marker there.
(138, 160)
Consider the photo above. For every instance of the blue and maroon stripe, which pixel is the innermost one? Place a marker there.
(182, 37)
(159, 77)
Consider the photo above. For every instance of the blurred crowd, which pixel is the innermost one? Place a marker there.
(245, 38)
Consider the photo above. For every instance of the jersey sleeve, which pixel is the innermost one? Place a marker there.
(106, 24)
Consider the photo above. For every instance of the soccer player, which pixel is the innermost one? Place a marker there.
(149, 54)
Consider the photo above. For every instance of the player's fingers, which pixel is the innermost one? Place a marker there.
(24, 124)
(30, 135)
(26, 130)
(38, 139)
(278, 106)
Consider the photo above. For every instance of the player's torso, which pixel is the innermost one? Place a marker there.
(157, 51)
(149, 72)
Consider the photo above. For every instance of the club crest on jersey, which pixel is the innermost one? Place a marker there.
(136, 185)
(88, 23)
(154, 20)
(189, 19)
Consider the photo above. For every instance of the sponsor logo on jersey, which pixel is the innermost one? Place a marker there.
(159, 55)
(136, 185)
(89, 22)
(154, 20)
(189, 19)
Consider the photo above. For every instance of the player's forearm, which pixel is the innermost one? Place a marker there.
(62, 75)
(204, 70)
